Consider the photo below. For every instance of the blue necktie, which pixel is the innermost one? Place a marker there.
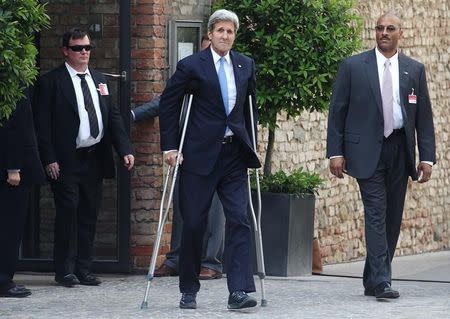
(223, 84)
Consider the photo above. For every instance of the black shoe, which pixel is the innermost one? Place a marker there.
(384, 291)
(240, 300)
(68, 280)
(14, 291)
(88, 279)
(188, 300)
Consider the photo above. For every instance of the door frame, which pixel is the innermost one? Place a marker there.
(122, 264)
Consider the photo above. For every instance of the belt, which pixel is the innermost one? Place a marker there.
(395, 132)
(398, 131)
(86, 150)
(228, 139)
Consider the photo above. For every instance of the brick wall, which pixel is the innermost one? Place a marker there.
(301, 142)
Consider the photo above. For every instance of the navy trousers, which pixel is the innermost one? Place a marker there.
(383, 196)
(229, 179)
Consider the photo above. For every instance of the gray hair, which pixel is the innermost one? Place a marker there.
(222, 15)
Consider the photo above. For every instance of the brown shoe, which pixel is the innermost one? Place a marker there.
(165, 271)
(207, 273)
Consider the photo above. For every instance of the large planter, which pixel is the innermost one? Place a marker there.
(287, 228)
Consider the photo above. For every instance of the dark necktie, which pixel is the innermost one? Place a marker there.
(89, 106)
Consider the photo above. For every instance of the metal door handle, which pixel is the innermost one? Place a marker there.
(122, 75)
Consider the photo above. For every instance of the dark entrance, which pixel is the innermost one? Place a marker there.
(112, 247)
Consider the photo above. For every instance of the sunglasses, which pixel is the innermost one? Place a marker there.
(79, 48)
(389, 28)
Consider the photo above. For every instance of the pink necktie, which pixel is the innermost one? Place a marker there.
(388, 100)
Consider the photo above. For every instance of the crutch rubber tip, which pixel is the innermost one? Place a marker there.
(144, 305)
(263, 302)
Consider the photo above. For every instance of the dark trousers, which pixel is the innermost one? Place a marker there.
(77, 199)
(213, 242)
(383, 196)
(13, 212)
(229, 179)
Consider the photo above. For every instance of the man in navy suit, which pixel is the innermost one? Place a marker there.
(380, 104)
(76, 125)
(216, 155)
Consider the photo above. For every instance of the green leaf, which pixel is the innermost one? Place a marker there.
(19, 20)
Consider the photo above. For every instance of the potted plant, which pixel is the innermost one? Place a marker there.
(287, 221)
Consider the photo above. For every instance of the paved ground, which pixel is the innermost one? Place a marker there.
(430, 266)
(296, 297)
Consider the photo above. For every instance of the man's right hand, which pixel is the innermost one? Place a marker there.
(52, 170)
(337, 166)
(171, 158)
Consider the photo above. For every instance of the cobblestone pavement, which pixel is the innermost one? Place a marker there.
(316, 297)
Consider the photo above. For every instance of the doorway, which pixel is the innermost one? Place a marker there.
(112, 242)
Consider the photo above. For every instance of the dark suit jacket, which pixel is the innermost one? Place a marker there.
(18, 147)
(147, 111)
(355, 122)
(57, 122)
(208, 119)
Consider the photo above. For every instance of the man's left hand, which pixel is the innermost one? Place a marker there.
(424, 171)
(128, 161)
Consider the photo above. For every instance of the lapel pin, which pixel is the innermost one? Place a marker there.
(405, 72)
(239, 66)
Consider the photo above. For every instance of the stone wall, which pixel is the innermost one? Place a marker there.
(301, 142)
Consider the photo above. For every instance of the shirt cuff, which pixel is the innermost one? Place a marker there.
(13, 170)
(336, 156)
(165, 152)
(427, 162)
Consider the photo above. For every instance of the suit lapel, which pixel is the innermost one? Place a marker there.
(67, 87)
(403, 75)
(95, 78)
(211, 75)
(237, 68)
(372, 75)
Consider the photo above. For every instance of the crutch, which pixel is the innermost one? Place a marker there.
(165, 205)
(257, 218)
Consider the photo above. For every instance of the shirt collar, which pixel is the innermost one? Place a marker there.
(381, 58)
(74, 72)
(217, 57)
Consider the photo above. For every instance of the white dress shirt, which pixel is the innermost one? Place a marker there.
(381, 59)
(84, 138)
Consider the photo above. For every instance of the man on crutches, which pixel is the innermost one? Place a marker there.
(216, 155)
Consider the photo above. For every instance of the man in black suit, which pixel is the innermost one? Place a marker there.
(216, 154)
(20, 168)
(76, 125)
(380, 103)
